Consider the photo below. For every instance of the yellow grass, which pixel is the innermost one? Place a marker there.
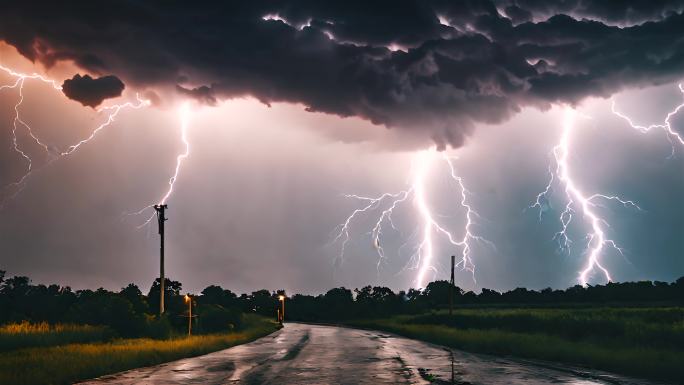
(25, 335)
(68, 363)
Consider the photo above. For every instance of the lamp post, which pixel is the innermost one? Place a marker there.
(282, 308)
(188, 299)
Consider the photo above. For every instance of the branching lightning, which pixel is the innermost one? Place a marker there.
(110, 113)
(576, 199)
(18, 123)
(423, 256)
(672, 135)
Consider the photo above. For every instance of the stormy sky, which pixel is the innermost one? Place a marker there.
(294, 104)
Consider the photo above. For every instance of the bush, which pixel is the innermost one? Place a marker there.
(158, 328)
(102, 308)
(216, 318)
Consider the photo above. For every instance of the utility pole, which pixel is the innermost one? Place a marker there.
(161, 218)
(451, 286)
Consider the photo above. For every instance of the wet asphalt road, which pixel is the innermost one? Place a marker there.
(311, 354)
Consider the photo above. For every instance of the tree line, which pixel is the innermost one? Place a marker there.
(377, 301)
(130, 312)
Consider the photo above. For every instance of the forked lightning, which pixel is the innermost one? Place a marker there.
(424, 251)
(18, 123)
(577, 200)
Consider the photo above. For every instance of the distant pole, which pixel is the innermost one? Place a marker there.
(451, 286)
(161, 218)
(282, 311)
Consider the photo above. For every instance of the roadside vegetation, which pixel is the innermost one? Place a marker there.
(27, 335)
(64, 364)
(52, 334)
(642, 342)
(632, 328)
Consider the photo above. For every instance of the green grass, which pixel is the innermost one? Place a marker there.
(65, 364)
(639, 342)
(646, 327)
(25, 335)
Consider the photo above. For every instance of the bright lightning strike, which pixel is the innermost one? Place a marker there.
(424, 253)
(576, 199)
(184, 116)
(18, 123)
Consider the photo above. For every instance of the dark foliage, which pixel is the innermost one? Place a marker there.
(130, 313)
(216, 318)
(339, 304)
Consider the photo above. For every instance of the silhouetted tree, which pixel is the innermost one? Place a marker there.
(173, 302)
(216, 295)
(133, 294)
(262, 302)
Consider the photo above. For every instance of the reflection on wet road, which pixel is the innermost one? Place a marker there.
(311, 354)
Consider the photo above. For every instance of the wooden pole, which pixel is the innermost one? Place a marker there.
(161, 218)
(451, 286)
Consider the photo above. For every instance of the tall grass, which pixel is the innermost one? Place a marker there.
(650, 327)
(26, 335)
(640, 342)
(68, 363)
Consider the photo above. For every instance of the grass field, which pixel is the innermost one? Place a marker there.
(27, 335)
(66, 363)
(641, 342)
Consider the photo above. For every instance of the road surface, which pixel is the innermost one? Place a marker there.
(311, 354)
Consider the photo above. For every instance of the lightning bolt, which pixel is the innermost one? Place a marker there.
(576, 200)
(18, 123)
(387, 203)
(672, 135)
(184, 116)
(110, 113)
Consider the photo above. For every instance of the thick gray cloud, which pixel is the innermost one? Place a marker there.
(436, 66)
(618, 12)
(256, 200)
(92, 92)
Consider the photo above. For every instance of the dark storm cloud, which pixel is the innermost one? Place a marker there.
(92, 92)
(618, 12)
(437, 66)
(202, 94)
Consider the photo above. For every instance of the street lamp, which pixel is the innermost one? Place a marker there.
(188, 300)
(282, 308)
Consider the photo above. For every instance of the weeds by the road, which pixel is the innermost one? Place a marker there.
(68, 363)
(27, 335)
(640, 342)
